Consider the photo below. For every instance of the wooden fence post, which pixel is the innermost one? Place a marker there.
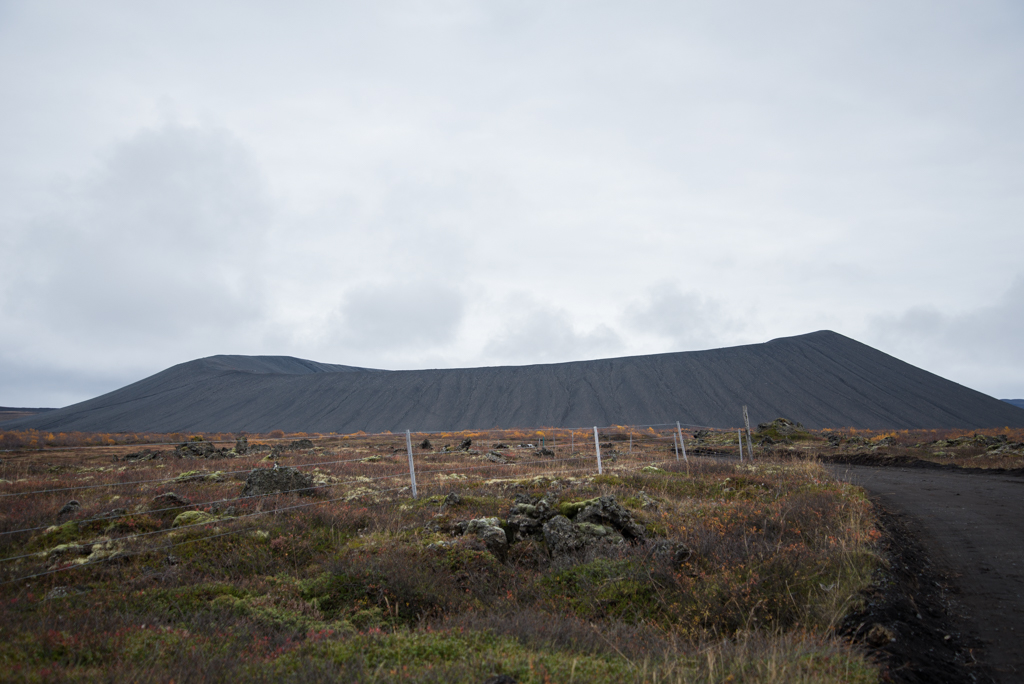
(597, 448)
(682, 444)
(412, 468)
(746, 421)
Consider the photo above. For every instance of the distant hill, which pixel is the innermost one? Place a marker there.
(821, 379)
(1019, 403)
(7, 413)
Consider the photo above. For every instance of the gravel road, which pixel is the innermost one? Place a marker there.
(973, 524)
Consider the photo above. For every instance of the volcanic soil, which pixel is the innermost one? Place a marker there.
(960, 568)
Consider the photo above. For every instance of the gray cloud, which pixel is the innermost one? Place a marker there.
(417, 316)
(533, 332)
(685, 320)
(984, 345)
(157, 255)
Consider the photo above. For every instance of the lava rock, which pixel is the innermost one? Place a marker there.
(879, 635)
(667, 551)
(189, 518)
(490, 532)
(70, 508)
(607, 511)
(168, 500)
(58, 593)
(204, 449)
(148, 455)
(502, 679)
(528, 514)
(264, 481)
(780, 426)
(562, 537)
(495, 457)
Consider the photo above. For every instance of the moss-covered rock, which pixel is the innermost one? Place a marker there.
(570, 508)
(193, 518)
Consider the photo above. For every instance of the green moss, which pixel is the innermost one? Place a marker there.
(570, 509)
(261, 611)
(193, 518)
(332, 593)
(607, 587)
(184, 600)
(53, 536)
(457, 657)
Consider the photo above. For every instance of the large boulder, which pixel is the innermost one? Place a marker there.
(265, 481)
(528, 514)
(190, 518)
(607, 512)
(489, 531)
(562, 537)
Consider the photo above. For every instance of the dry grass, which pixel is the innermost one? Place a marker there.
(349, 587)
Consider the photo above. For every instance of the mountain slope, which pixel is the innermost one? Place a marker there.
(822, 379)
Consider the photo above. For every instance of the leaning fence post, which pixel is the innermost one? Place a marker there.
(572, 441)
(746, 421)
(739, 440)
(597, 448)
(675, 445)
(412, 468)
(682, 444)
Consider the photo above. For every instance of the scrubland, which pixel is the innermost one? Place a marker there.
(744, 570)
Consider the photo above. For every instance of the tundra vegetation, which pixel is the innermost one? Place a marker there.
(516, 559)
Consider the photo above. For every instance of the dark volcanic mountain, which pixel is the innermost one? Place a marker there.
(822, 380)
(10, 413)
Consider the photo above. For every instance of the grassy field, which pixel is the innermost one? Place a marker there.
(713, 571)
(990, 448)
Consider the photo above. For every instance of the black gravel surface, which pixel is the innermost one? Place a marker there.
(971, 525)
(822, 379)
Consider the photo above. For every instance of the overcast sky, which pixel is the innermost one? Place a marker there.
(442, 184)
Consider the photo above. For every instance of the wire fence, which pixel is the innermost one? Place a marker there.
(547, 451)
